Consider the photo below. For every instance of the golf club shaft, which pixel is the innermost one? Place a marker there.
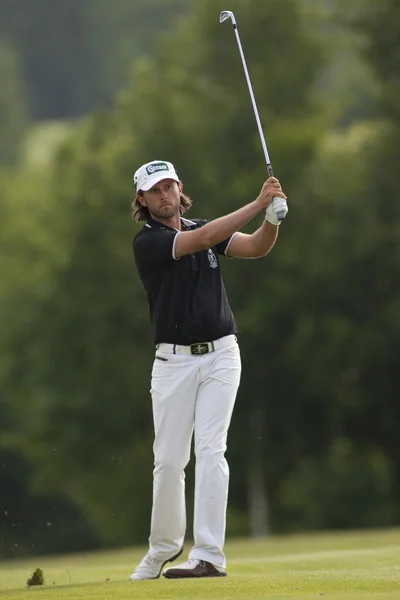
(224, 16)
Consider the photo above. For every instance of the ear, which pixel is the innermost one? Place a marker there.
(180, 187)
(141, 200)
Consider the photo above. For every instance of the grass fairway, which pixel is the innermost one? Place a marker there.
(343, 566)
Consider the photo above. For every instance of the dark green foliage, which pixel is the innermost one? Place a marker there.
(82, 379)
(346, 486)
(380, 24)
(317, 411)
(31, 523)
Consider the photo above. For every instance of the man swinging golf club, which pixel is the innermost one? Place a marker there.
(197, 365)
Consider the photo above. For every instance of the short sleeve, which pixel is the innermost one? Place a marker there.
(223, 246)
(153, 248)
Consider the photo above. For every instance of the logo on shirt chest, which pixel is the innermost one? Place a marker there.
(212, 259)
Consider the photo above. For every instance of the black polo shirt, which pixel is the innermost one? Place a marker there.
(187, 297)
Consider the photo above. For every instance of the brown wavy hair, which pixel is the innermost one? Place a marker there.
(141, 213)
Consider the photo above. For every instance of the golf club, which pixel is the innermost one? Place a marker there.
(227, 14)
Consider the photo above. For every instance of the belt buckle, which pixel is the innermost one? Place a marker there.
(199, 349)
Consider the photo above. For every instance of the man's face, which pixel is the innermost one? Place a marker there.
(163, 199)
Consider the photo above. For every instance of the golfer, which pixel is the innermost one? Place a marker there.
(196, 370)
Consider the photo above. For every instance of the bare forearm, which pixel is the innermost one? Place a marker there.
(188, 242)
(264, 239)
(218, 230)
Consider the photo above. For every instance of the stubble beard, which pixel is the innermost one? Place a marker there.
(166, 212)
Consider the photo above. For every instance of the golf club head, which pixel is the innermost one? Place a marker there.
(227, 14)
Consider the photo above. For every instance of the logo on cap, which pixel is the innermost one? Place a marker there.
(154, 167)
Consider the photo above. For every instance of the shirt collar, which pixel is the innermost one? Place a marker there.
(153, 224)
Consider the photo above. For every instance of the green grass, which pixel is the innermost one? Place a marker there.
(342, 566)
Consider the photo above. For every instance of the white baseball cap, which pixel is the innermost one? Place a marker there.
(153, 172)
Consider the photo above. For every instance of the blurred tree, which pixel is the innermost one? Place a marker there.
(123, 31)
(74, 54)
(13, 109)
(380, 25)
(347, 84)
(88, 386)
(32, 246)
(347, 485)
(340, 345)
(42, 238)
(318, 318)
(352, 380)
(54, 42)
(31, 523)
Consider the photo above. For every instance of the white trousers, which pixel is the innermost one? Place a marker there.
(192, 393)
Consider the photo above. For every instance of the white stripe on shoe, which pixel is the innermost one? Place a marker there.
(151, 567)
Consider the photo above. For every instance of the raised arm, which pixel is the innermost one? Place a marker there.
(188, 242)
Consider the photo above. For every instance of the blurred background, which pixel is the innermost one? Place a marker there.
(90, 90)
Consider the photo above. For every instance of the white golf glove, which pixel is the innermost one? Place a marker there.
(278, 205)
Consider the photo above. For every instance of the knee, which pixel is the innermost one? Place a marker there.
(169, 468)
(170, 458)
(208, 451)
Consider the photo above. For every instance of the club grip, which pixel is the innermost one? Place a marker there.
(280, 215)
